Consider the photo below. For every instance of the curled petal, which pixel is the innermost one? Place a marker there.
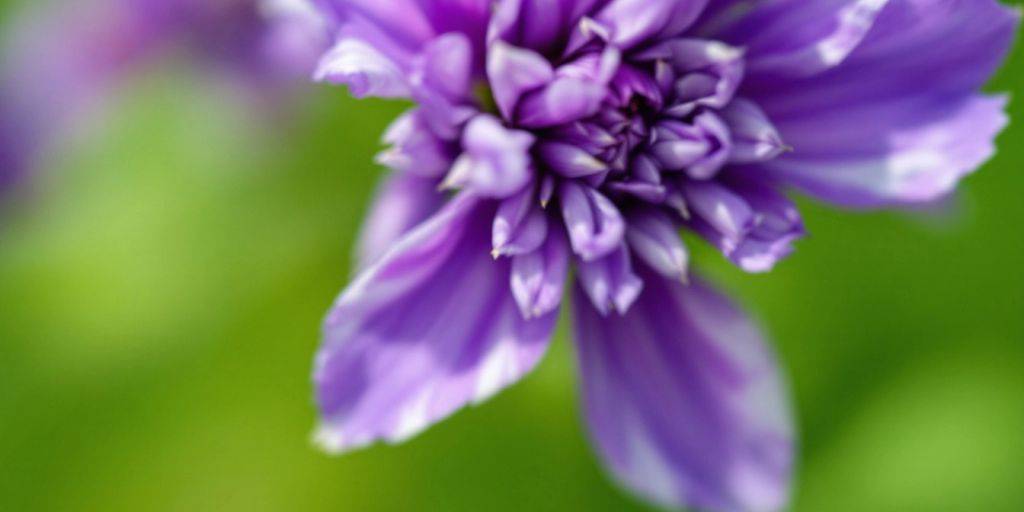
(704, 73)
(415, 149)
(446, 67)
(721, 208)
(754, 138)
(538, 277)
(496, 161)
(655, 238)
(750, 222)
(699, 148)
(684, 401)
(610, 282)
(363, 69)
(520, 225)
(578, 90)
(514, 71)
(569, 161)
(595, 225)
(429, 328)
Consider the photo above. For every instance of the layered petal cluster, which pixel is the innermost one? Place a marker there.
(60, 59)
(558, 138)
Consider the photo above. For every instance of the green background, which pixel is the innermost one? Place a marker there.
(162, 285)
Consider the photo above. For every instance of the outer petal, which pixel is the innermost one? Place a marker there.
(428, 329)
(684, 400)
(899, 121)
(366, 71)
(889, 154)
(792, 37)
(402, 202)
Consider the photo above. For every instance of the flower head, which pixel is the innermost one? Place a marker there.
(585, 134)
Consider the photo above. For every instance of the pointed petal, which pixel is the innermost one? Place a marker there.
(754, 138)
(496, 162)
(684, 401)
(538, 277)
(610, 282)
(520, 225)
(430, 328)
(655, 238)
(595, 225)
(362, 68)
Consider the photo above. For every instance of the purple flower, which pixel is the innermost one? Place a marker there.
(47, 81)
(585, 134)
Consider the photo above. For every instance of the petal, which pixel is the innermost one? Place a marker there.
(900, 121)
(888, 154)
(794, 37)
(520, 225)
(655, 238)
(749, 221)
(365, 71)
(446, 67)
(631, 22)
(610, 282)
(514, 71)
(595, 225)
(402, 202)
(430, 328)
(496, 162)
(754, 138)
(568, 160)
(538, 277)
(415, 148)
(684, 400)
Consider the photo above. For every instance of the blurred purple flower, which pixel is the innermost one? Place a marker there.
(585, 134)
(46, 81)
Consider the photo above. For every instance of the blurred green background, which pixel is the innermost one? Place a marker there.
(162, 285)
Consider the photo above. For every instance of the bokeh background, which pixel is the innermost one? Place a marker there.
(163, 278)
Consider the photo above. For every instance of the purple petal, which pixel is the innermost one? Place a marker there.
(428, 329)
(569, 161)
(631, 22)
(538, 277)
(446, 67)
(751, 223)
(520, 225)
(595, 225)
(362, 68)
(900, 120)
(700, 148)
(415, 149)
(888, 153)
(496, 162)
(684, 401)
(754, 138)
(789, 38)
(514, 71)
(578, 90)
(402, 202)
(655, 238)
(709, 72)
(610, 282)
